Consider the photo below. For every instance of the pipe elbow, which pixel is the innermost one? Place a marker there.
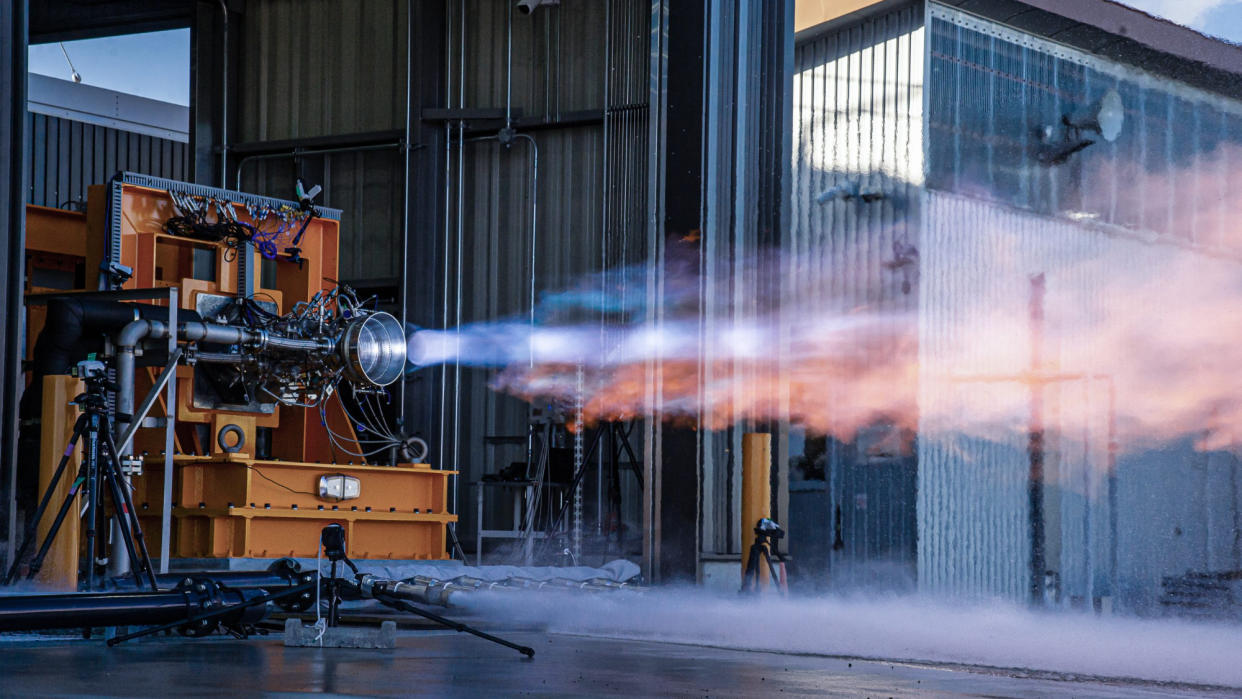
(132, 334)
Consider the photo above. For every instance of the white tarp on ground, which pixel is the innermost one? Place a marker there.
(619, 570)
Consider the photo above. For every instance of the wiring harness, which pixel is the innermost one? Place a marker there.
(214, 220)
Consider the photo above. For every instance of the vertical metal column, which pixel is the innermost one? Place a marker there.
(576, 533)
(13, 42)
(756, 490)
(170, 424)
(1035, 445)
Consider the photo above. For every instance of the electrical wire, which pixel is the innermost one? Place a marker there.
(276, 482)
(365, 424)
(333, 436)
(375, 412)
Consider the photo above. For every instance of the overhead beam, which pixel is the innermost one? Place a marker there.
(62, 20)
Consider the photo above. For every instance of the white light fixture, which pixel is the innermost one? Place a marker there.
(1111, 116)
(339, 487)
(1105, 117)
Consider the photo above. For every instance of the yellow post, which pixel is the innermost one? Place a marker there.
(756, 491)
(60, 568)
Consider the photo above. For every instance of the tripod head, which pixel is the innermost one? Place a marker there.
(95, 374)
(768, 532)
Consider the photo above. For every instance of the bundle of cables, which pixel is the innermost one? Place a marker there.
(195, 225)
(192, 222)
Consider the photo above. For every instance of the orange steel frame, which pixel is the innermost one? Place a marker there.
(160, 260)
(222, 507)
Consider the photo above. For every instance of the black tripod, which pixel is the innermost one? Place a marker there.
(101, 469)
(767, 533)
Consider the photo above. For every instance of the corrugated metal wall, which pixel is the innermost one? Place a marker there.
(1176, 504)
(859, 126)
(312, 68)
(365, 186)
(68, 156)
(858, 104)
(321, 67)
(591, 184)
(1161, 180)
(332, 67)
(993, 88)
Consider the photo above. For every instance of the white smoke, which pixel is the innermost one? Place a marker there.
(995, 635)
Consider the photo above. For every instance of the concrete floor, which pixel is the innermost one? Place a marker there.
(449, 664)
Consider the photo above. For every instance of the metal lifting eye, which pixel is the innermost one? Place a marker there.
(231, 446)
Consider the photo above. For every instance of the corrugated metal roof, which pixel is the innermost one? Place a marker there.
(116, 110)
(1123, 34)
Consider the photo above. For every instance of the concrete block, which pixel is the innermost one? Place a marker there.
(299, 636)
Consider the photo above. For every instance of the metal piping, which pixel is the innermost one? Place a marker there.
(461, 162)
(405, 199)
(534, 230)
(194, 331)
(297, 152)
(126, 340)
(509, 65)
(448, 173)
(224, 101)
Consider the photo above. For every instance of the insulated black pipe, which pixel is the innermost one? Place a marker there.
(74, 327)
(70, 611)
(73, 611)
(283, 573)
(235, 579)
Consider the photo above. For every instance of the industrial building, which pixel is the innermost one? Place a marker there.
(492, 297)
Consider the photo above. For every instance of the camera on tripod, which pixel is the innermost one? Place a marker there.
(102, 474)
(762, 551)
(769, 529)
(91, 370)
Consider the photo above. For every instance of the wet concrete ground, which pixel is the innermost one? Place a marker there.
(443, 663)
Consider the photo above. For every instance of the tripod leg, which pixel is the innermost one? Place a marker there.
(134, 526)
(90, 464)
(37, 563)
(614, 489)
(752, 570)
(776, 577)
(33, 526)
(455, 625)
(625, 442)
(120, 516)
(452, 535)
